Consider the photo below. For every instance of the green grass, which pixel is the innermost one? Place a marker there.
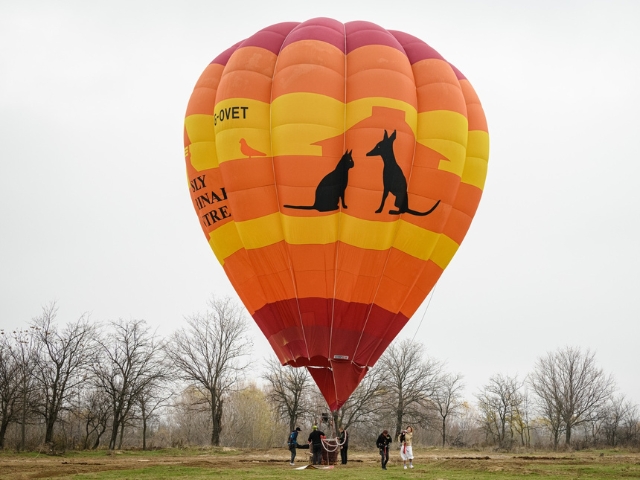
(442, 471)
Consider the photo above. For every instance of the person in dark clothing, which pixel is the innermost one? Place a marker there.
(315, 441)
(383, 445)
(344, 444)
(293, 444)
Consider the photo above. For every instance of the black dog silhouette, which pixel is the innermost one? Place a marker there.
(393, 179)
(331, 188)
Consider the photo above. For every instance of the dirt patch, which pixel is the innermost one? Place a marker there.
(467, 458)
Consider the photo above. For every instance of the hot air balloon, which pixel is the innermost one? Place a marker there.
(335, 170)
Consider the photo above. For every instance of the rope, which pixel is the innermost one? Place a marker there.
(334, 448)
(425, 312)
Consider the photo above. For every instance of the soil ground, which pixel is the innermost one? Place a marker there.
(435, 464)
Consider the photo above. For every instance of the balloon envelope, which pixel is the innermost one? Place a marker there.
(335, 170)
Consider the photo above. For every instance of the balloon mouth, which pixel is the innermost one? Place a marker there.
(338, 381)
(336, 377)
(322, 362)
(316, 362)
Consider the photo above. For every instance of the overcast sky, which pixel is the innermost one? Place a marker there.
(95, 211)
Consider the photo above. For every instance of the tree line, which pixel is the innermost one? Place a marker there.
(87, 385)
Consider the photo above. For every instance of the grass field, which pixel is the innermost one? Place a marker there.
(274, 464)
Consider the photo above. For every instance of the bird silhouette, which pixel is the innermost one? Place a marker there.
(248, 151)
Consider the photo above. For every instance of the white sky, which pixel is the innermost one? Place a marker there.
(95, 211)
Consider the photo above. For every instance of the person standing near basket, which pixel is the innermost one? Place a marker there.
(315, 443)
(384, 439)
(293, 444)
(406, 449)
(344, 445)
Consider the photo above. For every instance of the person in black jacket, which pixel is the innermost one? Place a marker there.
(293, 444)
(315, 441)
(344, 444)
(383, 445)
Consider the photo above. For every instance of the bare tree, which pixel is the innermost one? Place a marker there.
(17, 355)
(288, 390)
(365, 402)
(520, 415)
(128, 362)
(614, 414)
(62, 356)
(447, 400)
(209, 354)
(10, 383)
(570, 387)
(630, 426)
(552, 416)
(151, 399)
(408, 381)
(96, 412)
(497, 402)
(25, 355)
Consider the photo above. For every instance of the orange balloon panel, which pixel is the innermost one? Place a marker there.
(335, 169)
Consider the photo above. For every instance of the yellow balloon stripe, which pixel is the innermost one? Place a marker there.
(202, 141)
(445, 132)
(416, 241)
(366, 234)
(310, 230)
(260, 232)
(203, 155)
(307, 108)
(200, 128)
(443, 124)
(224, 241)
(444, 251)
(477, 162)
(298, 139)
(362, 109)
(297, 121)
(475, 172)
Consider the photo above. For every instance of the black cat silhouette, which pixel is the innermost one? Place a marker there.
(393, 179)
(331, 188)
